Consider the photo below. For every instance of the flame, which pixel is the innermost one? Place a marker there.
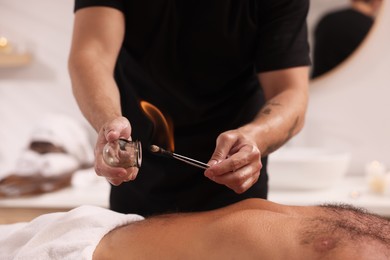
(3, 42)
(163, 127)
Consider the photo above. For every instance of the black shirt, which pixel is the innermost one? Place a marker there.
(336, 36)
(197, 61)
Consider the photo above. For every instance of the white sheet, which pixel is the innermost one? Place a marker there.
(63, 235)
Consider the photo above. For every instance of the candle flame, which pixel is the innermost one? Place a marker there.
(163, 126)
(3, 42)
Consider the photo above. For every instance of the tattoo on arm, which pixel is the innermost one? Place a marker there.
(267, 109)
(290, 133)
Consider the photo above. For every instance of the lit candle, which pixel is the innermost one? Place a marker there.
(375, 175)
(375, 168)
(5, 46)
(386, 189)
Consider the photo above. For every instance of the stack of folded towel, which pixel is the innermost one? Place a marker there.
(38, 171)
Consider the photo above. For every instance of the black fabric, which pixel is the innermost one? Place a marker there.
(197, 62)
(336, 37)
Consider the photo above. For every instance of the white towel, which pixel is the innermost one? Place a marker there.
(47, 165)
(64, 131)
(63, 235)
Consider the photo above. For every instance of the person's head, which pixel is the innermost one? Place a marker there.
(368, 7)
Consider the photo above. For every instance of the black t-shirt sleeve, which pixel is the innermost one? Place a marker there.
(118, 4)
(282, 35)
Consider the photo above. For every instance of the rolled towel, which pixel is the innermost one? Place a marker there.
(28, 163)
(66, 132)
(65, 148)
(47, 165)
(54, 164)
(63, 235)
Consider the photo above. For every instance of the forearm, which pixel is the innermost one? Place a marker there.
(282, 117)
(97, 38)
(94, 89)
(278, 121)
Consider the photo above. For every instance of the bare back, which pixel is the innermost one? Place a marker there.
(252, 229)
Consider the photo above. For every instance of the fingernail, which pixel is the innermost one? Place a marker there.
(209, 174)
(212, 162)
(132, 176)
(123, 174)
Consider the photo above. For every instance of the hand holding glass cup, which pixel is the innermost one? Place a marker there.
(123, 153)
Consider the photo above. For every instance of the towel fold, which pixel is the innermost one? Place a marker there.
(47, 165)
(63, 235)
(66, 132)
(59, 145)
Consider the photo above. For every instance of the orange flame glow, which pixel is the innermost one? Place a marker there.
(163, 127)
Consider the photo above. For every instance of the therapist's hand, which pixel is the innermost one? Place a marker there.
(236, 161)
(113, 130)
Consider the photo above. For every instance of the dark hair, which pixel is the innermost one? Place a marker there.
(340, 224)
(365, 1)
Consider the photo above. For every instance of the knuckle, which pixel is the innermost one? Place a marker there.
(255, 155)
(244, 180)
(98, 170)
(238, 182)
(217, 154)
(235, 164)
(226, 136)
(133, 175)
(240, 189)
(115, 182)
(257, 167)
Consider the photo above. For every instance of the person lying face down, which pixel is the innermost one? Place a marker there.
(253, 229)
(250, 229)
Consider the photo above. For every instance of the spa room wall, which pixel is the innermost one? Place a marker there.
(27, 93)
(348, 108)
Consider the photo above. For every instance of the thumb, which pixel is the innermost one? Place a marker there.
(117, 128)
(222, 150)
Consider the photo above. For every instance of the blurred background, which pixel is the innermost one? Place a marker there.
(348, 108)
(35, 82)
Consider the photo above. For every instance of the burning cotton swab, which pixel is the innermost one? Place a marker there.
(161, 151)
